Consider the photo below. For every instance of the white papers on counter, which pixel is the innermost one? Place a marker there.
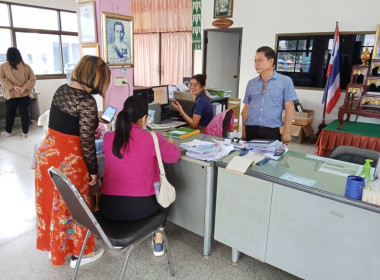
(239, 165)
(204, 150)
(263, 147)
(298, 179)
(341, 168)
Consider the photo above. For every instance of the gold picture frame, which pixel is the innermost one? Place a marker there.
(84, 1)
(117, 39)
(90, 49)
(223, 8)
(87, 23)
(376, 47)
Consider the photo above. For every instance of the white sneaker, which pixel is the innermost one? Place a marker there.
(6, 134)
(96, 254)
(24, 135)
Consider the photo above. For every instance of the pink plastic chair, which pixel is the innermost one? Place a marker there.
(221, 124)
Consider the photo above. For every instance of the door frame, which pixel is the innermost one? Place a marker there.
(238, 30)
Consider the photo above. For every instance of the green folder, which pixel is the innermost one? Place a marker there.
(181, 132)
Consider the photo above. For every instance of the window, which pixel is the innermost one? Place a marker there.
(4, 16)
(47, 38)
(305, 58)
(162, 41)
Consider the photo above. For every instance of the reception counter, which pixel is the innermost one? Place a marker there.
(312, 232)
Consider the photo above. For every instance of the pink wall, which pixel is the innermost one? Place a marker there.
(115, 96)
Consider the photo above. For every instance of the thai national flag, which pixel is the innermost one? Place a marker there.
(332, 89)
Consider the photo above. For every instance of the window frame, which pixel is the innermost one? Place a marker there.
(58, 32)
(306, 36)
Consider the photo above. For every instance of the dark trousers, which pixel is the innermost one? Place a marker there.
(128, 208)
(23, 106)
(262, 132)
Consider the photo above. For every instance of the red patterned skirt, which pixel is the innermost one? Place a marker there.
(56, 231)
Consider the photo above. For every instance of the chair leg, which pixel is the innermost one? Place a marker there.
(168, 253)
(80, 255)
(126, 261)
(140, 241)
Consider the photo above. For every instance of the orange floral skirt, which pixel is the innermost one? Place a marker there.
(56, 231)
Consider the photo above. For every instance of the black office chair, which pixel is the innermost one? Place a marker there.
(119, 236)
(354, 155)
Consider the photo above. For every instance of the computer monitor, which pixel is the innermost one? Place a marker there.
(161, 95)
(141, 93)
(186, 80)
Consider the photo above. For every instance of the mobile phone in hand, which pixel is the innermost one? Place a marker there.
(108, 114)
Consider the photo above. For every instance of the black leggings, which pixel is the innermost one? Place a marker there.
(22, 103)
(129, 208)
(262, 132)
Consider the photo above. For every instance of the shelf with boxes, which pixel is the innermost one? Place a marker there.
(301, 126)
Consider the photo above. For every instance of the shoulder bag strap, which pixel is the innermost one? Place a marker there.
(158, 153)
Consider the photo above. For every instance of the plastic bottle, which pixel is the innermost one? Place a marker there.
(366, 172)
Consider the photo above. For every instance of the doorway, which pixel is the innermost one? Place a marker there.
(221, 60)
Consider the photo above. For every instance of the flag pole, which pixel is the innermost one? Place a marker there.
(322, 125)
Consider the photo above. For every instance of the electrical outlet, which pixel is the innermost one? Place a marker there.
(121, 81)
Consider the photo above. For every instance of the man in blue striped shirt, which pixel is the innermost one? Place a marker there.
(265, 98)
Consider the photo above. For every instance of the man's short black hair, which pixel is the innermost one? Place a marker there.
(268, 52)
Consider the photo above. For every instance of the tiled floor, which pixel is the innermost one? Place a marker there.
(20, 260)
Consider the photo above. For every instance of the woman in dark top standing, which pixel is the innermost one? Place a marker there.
(202, 110)
(70, 146)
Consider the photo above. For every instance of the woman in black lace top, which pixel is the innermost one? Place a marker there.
(70, 146)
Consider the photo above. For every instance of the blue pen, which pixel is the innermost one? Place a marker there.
(263, 161)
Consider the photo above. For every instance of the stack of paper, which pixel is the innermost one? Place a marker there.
(265, 148)
(204, 150)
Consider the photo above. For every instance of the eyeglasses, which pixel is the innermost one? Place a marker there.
(263, 90)
(194, 85)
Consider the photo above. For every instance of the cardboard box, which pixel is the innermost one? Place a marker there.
(304, 118)
(299, 133)
(234, 104)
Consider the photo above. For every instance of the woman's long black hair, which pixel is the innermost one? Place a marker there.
(14, 57)
(134, 109)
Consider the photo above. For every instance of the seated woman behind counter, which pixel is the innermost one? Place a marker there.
(202, 110)
(131, 168)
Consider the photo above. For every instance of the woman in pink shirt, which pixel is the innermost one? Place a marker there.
(131, 168)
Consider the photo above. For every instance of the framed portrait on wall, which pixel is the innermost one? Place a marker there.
(84, 1)
(86, 22)
(90, 49)
(376, 47)
(117, 38)
(223, 8)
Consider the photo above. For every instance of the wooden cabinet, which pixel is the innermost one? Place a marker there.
(234, 104)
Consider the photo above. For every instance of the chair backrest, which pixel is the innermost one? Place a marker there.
(76, 204)
(221, 124)
(354, 155)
